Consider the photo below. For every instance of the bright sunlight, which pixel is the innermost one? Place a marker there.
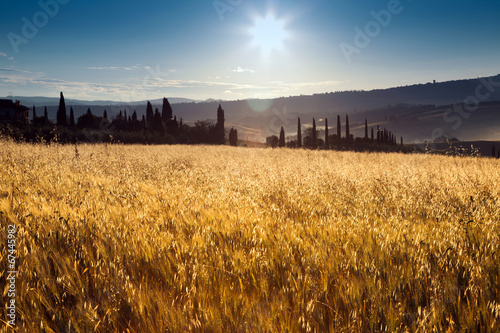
(268, 33)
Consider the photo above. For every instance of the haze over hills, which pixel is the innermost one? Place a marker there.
(418, 112)
(54, 101)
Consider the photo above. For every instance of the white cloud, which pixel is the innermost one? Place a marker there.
(113, 68)
(11, 58)
(3, 54)
(242, 70)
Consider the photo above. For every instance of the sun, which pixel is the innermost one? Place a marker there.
(268, 33)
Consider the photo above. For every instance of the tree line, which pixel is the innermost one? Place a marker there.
(155, 127)
(379, 139)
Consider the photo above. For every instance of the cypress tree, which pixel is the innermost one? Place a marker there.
(105, 115)
(166, 111)
(134, 116)
(339, 132)
(366, 129)
(314, 135)
(401, 142)
(45, 114)
(143, 122)
(327, 146)
(71, 117)
(373, 139)
(299, 134)
(157, 124)
(219, 127)
(149, 114)
(347, 131)
(281, 142)
(233, 137)
(378, 134)
(61, 111)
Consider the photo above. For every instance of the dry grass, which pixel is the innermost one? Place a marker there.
(220, 239)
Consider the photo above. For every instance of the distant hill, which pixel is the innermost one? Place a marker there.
(414, 111)
(54, 101)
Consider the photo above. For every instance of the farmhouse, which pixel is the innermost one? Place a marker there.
(13, 111)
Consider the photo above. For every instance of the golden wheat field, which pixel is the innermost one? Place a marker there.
(117, 238)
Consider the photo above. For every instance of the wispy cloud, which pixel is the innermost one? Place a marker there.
(6, 73)
(139, 88)
(113, 68)
(3, 54)
(132, 90)
(128, 68)
(242, 70)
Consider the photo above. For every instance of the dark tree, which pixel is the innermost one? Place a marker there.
(339, 128)
(272, 141)
(327, 146)
(373, 139)
(233, 137)
(366, 129)
(61, 111)
(314, 135)
(45, 114)
(299, 134)
(157, 124)
(71, 117)
(134, 116)
(347, 131)
(282, 142)
(149, 114)
(105, 115)
(220, 135)
(88, 120)
(166, 111)
(378, 135)
(401, 142)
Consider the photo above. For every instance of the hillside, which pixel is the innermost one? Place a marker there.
(416, 112)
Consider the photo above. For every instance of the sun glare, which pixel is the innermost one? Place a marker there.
(268, 33)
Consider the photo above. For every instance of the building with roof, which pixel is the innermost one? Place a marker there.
(13, 112)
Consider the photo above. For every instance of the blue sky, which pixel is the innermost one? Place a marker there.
(236, 49)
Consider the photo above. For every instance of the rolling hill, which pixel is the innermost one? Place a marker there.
(418, 112)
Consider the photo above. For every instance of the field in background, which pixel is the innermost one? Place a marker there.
(193, 238)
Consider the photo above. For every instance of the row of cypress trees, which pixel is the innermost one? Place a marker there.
(153, 127)
(311, 139)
